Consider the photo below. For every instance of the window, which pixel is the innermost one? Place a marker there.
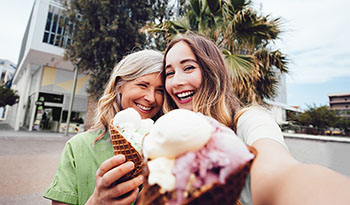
(2, 78)
(58, 30)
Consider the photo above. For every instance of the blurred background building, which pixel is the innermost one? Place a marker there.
(340, 102)
(279, 107)
(7, 70)
(43, 79)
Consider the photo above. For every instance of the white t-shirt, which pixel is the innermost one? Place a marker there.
(253, 124)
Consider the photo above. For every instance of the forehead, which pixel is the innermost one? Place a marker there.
(180, 51)
(153, 78)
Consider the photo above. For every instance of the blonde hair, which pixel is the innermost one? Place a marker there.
(132, 66)
(215, 97)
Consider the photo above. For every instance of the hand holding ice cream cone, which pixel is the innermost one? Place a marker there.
(127, 130)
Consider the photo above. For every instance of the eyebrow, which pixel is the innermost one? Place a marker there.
(142, 81)
(182, 62)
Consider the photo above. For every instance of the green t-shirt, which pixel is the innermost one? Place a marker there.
(75, 178)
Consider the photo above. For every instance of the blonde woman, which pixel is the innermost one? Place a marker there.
(87, 167)
(197, 79)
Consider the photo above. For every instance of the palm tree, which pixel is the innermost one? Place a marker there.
(244, 38)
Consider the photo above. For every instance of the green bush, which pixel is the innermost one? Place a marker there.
(7, 96)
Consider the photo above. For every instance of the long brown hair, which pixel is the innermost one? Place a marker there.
(215, 97)
(132, 66)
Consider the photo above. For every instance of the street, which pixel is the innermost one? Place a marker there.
(29, 161)
(28, 164)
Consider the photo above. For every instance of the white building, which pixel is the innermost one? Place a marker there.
(7, 69)
(340, 102)
(43, 78)
(278, 106)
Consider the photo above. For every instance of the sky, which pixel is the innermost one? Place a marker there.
(314, 38)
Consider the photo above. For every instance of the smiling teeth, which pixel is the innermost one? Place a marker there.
(143, 107)
(185, 94)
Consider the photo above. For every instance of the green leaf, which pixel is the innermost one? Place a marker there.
(214, 6)
(195, 4)
(181, 24)
(240, 4)
(7, 96)
(239, 65)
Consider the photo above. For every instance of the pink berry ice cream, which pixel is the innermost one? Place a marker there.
(188, 153)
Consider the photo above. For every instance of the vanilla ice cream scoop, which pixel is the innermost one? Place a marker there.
(175, 133)
(129, 123)
(128, 119)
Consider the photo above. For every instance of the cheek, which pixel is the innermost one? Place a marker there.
(125, 101)
(168, 86)
(198, 79)
(122, 103)
(198, 82)
(160, 99)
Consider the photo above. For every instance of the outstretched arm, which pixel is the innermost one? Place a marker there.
(277, 178)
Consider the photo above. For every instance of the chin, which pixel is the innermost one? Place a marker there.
(186, 107)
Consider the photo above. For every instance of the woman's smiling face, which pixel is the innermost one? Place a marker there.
(144, 94)
(183, 75)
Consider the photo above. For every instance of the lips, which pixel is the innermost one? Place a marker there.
(184, 96)
(143, 108)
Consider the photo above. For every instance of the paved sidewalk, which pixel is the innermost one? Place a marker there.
(28, 163)
(8, 131)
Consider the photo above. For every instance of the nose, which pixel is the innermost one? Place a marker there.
(149, 96)
(179, 79)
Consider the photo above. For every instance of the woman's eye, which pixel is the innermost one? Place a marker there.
(160, 90)
(189, 68)
(169, 73)
(142, 85)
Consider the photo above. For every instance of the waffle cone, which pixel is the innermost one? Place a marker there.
(228, 193)
(123, 146)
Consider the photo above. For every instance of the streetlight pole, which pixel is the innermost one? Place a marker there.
(71, 99)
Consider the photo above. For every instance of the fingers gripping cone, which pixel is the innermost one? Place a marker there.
(122, 146)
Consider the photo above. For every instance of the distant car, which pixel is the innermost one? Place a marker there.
(333, 132)
(337, 132)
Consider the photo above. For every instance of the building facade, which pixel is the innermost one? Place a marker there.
(340, 102)
(43, 79)
(279, 107)
(7, 70)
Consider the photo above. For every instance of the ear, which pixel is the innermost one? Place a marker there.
(120, 89)
(118, 98)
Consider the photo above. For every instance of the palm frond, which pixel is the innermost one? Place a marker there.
(239, 65)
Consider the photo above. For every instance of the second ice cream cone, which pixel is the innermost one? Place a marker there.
(122, 146)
